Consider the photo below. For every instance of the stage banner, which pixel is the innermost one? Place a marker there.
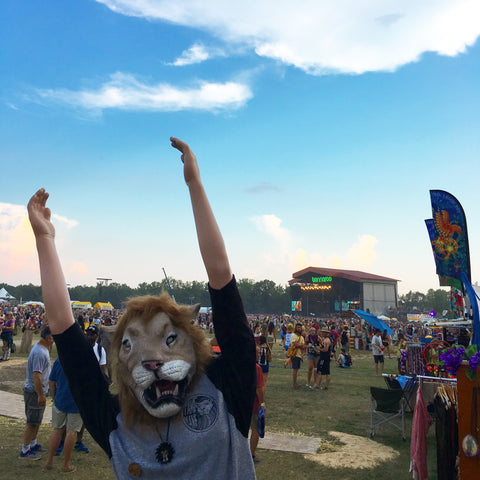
(450, 239)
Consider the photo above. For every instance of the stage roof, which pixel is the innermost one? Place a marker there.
(353, 275)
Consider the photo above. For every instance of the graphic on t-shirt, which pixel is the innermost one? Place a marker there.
(200, 413)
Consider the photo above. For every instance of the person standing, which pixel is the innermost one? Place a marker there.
(323, 367)
(313, 354)
(259, 402)
(298, 342)
(345, 339)
(386, 342)
(34, 393)
(377, 350)
(7, 335)
(65, 415)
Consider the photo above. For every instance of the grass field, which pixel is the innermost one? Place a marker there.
(345, 407)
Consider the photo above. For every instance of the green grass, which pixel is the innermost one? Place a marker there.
(345, 407)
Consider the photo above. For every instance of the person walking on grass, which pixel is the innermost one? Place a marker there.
(34, 394)
(377, 350)
(65, 416)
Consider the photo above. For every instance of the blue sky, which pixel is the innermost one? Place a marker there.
(319, 127)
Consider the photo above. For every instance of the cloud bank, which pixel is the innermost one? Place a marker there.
(284, 256)
(125, 92)
(342, 36)
(18, 256)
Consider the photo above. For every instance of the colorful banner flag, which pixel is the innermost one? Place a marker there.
(450, 239)
(443, 280)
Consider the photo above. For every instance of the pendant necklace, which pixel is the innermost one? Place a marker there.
(165, 450)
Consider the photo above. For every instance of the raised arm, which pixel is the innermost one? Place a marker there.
(54, 288)
(210, 239)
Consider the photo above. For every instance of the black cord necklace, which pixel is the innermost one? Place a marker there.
(165, 450)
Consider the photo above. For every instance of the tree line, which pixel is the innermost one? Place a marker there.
(258, 297)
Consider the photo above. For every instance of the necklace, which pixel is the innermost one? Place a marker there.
(165, 450)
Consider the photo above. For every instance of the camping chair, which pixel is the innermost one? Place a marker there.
(408, 390)
(387, 406)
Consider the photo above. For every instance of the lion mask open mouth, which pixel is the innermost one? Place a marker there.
(165, 391)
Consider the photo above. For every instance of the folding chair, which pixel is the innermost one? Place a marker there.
(388, 406)
(408, 390)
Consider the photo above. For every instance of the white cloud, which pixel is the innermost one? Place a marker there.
(18, 256)
(271, 225)
(283, 256)
(197, 53)
(66, 221)
(346, 36)
(362, 254)
(125, 92)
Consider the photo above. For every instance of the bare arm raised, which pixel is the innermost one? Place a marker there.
(54, 288)
(212, 247)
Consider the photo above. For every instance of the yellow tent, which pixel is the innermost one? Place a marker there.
(103, 306)
(77, 304)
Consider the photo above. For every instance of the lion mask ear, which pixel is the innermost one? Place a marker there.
(194, 311)
(109, 332)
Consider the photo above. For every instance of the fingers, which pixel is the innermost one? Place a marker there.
(40, 198)
(179, 144)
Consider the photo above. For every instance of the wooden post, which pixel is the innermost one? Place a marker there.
(469, 467)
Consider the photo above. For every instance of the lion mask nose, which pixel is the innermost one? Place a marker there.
(152, 364)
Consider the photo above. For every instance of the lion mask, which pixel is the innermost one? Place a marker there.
(157, 356)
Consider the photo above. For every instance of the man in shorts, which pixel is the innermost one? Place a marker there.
(64, 416)
(377, 350)
(299, 342)
(34, 393)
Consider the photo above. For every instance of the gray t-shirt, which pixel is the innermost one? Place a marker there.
(38, 361)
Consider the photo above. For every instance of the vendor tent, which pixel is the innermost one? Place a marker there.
(77, 304)
(34, 304)
(5, 296)
(103, 306)
(373, 321)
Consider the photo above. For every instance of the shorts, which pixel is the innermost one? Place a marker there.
(33, 412)
(378, 359)
(313, 356)
(296, 363)
(73, 421)
(265, 368)
(323, 367)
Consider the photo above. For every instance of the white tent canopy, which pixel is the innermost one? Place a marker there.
(4, 295)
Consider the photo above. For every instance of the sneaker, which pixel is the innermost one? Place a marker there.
(80, 447)
(59, 450)
(29, 455)
(38, 448)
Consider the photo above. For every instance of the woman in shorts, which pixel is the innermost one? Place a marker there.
(313, 354)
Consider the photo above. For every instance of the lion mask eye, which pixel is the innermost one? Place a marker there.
(127, 346)
(170, 339)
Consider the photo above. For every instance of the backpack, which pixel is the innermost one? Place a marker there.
(344, 339)
(263, 356)
(292, 351)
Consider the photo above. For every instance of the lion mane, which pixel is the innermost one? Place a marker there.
(144, 308)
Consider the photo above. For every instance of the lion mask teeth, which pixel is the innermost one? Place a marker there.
(163, 391)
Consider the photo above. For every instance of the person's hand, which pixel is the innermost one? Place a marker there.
(42, 400)
(39, 215)
(190, 166)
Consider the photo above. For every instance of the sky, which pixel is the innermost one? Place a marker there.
(319, 128)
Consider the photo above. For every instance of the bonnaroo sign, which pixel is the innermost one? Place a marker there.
(321, 279)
